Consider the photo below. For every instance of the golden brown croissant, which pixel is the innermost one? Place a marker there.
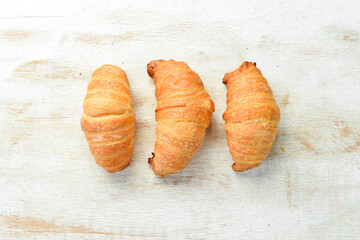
(183, 113)
(108, 120)
(251, 117)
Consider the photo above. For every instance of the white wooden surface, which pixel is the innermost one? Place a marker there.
(50, 186)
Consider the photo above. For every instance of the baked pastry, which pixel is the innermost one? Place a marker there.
(108, 120)
(251, 117)
(183, 112)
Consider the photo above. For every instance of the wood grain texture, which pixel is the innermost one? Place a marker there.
(307, 188)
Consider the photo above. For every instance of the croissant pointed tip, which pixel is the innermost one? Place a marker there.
(150, 160)
(151, 67)
(247, 65)
(237, 167)
(226, 78)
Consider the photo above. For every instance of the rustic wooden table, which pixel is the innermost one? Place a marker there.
(50, 185)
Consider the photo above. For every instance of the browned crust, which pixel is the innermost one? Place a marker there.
(108, 121)
(151, 67)
(251, 116)
(184, 110)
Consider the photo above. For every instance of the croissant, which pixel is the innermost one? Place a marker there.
(108, 120)
(183, 112)
(251, 117)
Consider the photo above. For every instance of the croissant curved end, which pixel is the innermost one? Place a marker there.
(247, 65)
(151, 67)
(150, 160)
(238, 167)
(226, 78)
